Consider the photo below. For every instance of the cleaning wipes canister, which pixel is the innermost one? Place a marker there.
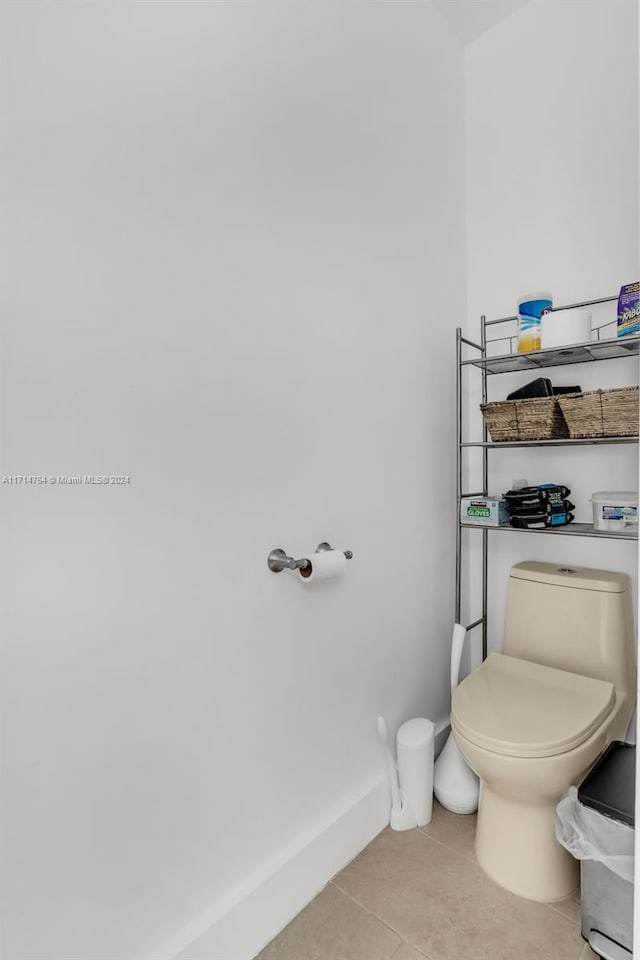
(530, 310)
(615, 509)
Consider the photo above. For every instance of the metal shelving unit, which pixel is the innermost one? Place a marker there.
(600, 348)
(571, 530)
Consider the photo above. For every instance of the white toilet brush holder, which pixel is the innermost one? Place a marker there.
(455, 784)
(412, 779)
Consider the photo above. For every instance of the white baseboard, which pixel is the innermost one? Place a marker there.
(256, 911)
(240, 925)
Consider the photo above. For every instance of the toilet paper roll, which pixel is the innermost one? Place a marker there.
(323, 566)
(563, 328)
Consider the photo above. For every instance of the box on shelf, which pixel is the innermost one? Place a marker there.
(615, 509)
(629, 309)
(485, 511)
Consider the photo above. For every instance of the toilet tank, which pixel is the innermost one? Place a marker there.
(572, 618)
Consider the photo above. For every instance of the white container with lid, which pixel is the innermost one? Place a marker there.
(563, 328)
(615, 509)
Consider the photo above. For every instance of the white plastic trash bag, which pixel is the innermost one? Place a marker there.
(589, 835)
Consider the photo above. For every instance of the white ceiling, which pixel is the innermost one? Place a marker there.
(471, 18)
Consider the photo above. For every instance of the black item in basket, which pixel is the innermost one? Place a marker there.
(560, 391)
(540, 387)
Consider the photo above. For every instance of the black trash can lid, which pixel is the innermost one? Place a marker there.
(610, 787)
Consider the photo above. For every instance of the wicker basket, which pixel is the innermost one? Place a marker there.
(534, 419)
(602, 413)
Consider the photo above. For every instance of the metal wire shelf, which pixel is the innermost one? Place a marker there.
(628, 346)
(568, 442)
(570, 530)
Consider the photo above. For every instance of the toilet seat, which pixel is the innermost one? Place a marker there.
(518, 708)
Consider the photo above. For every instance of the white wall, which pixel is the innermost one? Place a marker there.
(236, 264)
(552, 203)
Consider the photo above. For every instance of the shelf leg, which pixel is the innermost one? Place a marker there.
(458, 587)
(485, 487)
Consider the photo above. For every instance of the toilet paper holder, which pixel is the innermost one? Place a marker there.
(278, 559)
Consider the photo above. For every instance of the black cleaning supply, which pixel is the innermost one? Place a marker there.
(542, 505)
(565, 506)
(542, 520)
(542, 493)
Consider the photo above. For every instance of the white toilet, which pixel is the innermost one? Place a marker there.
(531, 721)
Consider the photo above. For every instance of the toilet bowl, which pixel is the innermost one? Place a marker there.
(530, 722)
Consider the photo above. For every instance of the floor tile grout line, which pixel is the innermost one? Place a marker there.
(405, 943)
(383, 922)
(447, 846)
(370, 912)
(559, 913)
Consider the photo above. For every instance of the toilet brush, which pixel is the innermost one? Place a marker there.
(455, 785)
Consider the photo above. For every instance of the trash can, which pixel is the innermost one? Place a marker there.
(596, 823)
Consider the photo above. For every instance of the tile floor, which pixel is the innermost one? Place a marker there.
(421, 894)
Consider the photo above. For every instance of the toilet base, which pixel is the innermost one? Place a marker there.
(516, 846)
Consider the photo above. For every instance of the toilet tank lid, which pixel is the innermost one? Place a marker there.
(580, 578)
